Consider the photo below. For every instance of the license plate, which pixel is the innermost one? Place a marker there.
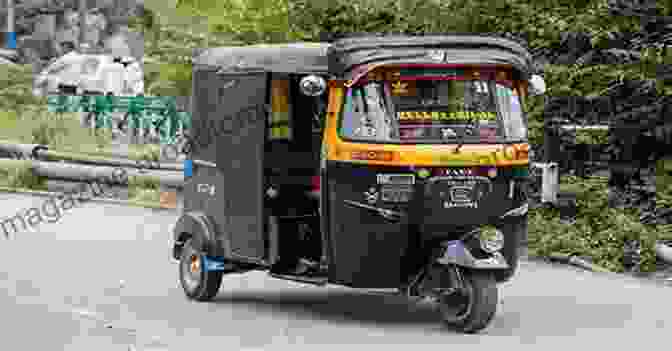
(396, 194)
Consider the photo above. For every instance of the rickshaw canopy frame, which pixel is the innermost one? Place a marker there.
(340, 58)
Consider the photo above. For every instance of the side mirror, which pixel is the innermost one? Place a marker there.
(312, 85)
(537, 85)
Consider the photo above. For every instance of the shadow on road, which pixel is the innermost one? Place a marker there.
(357, 306)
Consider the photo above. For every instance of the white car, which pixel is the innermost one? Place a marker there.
(75, 73)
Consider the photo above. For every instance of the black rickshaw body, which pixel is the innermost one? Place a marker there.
(370, 249)
(231, 156)
(382, 204)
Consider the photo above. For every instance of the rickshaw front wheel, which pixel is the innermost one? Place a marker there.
(473, 308)
(515, 234)
(197, 283)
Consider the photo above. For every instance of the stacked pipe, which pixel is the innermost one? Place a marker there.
(85, 169)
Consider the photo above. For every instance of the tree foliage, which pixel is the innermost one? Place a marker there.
(16, 93)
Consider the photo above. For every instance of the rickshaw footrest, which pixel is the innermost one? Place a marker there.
(300, 279)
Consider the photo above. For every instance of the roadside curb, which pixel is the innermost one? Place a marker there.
(93, 199)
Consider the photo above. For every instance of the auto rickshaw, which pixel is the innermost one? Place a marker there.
(373, 162)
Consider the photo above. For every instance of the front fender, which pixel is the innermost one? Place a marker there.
(195, 224)
(456, 253)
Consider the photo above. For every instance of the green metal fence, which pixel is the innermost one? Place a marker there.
(157, 113)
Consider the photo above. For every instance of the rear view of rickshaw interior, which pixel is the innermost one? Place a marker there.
(434, 106)
(291, 171)
(376, 163)
(257, 160)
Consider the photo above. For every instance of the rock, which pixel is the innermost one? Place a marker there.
(39, 21)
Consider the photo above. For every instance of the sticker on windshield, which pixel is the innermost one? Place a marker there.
(412, 133)
(448, 133)
(399, 88)
(487, 133)
(445, 116)
(366, 132)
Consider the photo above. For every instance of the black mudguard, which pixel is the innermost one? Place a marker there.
(195, 224)
(456, 253)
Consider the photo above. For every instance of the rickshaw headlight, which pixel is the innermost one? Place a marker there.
(312, 85)
(491, 239)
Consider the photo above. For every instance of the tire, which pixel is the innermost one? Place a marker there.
(515, 238)
(201, 285)
(473, 311)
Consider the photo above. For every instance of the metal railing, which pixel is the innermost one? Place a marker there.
(142, 115)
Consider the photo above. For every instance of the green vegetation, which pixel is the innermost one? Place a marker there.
(599, 231)
(143, 190)
(25, 119)
(20, 175)
(168, 79)
(664, 184)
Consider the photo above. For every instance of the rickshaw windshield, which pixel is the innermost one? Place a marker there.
(433, 110)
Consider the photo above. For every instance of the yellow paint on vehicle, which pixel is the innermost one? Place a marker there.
(429, 155)
(279, 119)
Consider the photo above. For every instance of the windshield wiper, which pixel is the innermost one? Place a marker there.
(469, 128)
(385, 213)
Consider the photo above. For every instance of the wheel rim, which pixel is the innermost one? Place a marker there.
(191, 271)
(195, 265)
(457, 306)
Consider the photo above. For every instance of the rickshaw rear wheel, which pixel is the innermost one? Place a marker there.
(472, 309)
(197, 283)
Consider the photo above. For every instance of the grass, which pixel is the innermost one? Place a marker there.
(599, 232)
(59, 131)
(63, 133)
(19, 175)
(143, 190)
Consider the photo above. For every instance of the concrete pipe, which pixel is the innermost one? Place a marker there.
(664, 252)
(98, 161)
(82, 173)
(42, 152)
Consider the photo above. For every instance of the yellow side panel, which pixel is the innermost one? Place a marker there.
(280, 95)
(280, 108)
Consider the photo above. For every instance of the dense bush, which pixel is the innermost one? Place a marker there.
(600, 231)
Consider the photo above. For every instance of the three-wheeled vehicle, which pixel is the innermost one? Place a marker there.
(374, 162)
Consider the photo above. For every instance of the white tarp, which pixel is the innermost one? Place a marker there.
(97, 73)
(114, 75)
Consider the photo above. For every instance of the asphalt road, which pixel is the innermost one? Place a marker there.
(61, 291)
